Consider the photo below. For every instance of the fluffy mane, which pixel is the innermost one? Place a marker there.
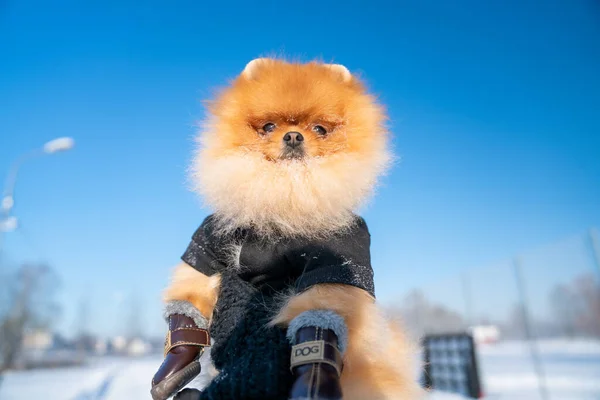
(311, 197)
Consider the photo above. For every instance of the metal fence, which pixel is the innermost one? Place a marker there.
(536, 317)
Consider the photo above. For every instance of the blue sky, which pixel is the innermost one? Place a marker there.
(494, 109)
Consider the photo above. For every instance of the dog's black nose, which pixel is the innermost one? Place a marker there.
(293, 139)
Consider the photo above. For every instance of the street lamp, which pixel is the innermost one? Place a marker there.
(8, 223)
(59, 144)
(51, 147)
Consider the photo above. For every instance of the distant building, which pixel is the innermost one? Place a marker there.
(483, 334)
(118, 345)
(138, 347)
(38, 341)
(44, 349)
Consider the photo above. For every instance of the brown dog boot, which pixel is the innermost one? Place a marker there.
(183, 347)
(316, 363)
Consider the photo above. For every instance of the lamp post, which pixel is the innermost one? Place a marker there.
(8, 222)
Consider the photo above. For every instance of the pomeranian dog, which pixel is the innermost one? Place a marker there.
(286, 156)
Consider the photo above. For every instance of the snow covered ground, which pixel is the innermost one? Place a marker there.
(571, 369)
(572, 372)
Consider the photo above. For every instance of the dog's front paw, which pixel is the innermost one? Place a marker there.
(316, 363)
(184, 345)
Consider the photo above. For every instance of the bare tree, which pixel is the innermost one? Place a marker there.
(84, 340)
(134, 316)
(514, 327)
(576, 306)
(564, 303)
(28, 304)
(588, 291)
(421, 316)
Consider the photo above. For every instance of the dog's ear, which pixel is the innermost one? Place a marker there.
(341, 71)
(252, 69)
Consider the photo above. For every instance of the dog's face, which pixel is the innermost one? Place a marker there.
(295, 112)
(291, 131)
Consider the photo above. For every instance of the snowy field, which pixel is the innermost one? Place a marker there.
(572, 372)
(571, 369)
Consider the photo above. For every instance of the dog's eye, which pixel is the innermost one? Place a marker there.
(319, 129)
(269, 127)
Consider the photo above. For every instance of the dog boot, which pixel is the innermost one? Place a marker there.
(316, 359)
(184, 345)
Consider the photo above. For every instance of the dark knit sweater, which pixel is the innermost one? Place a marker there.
(253, 359)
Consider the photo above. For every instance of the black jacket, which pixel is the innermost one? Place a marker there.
(281, 263)
(253, 359)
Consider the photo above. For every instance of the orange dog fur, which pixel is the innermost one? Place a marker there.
(238, 169)
(375, 363)
(190, 285)
(239, 172)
